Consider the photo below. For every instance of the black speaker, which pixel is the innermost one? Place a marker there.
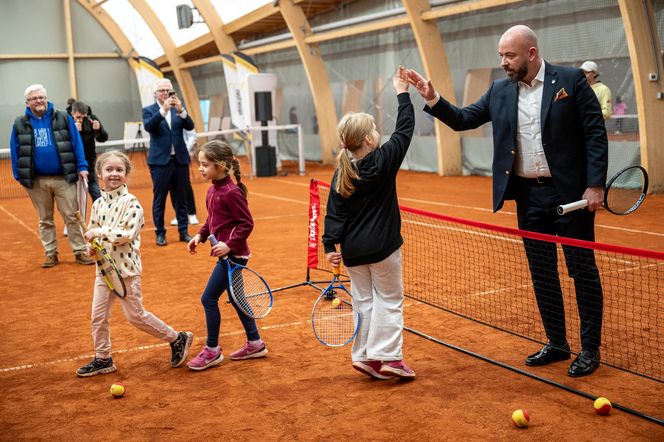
(263, 105)
(266, 161)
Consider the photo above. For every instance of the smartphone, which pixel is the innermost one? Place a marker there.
(171, 93)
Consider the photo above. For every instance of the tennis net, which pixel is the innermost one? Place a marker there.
(480, 272)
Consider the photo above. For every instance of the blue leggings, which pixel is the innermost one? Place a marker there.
(216, 285)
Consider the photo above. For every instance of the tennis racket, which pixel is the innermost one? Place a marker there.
(334, 322)
(247, 288)
(623, 194)
(105, 263)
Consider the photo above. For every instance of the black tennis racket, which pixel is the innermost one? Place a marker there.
(105, 263)
(623, 194)
(334, 322)
(248, 289)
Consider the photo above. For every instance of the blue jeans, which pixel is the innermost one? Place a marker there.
(216, 285)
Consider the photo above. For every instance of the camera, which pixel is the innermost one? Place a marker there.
(171, 94)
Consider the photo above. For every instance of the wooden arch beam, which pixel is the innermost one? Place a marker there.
(182, 76)
(119, 38)
(645, 57)
(319, 82)
(432, 52)
(224, 42)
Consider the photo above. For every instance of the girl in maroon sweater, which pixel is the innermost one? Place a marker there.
(231, 223)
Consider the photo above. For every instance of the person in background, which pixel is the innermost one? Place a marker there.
(91, 130)
(71, 101)
(591, 71)
(47, 160)
(190, 138)
(550, 148)
(619, 110)
(293, 118)
(168, 158)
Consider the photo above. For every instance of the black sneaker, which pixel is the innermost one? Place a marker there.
(97, 366)
(180, 348)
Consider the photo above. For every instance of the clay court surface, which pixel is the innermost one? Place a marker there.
(302, 390)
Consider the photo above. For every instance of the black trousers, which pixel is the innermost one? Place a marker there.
(172, 178)
(190, 202)
(536, 212)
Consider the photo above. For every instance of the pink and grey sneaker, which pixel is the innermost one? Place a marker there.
(207, 358)
(397, 368)
(370, 368)
(250, 350)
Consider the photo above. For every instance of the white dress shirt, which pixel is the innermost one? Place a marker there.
(530, 160)
(167, 117)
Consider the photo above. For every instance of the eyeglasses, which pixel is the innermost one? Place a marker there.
(39, 98)
(163, 91)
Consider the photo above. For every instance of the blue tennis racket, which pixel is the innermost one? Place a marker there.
(248, 289)
(334, 322)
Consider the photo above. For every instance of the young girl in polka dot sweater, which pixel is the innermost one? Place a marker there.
(116, 221)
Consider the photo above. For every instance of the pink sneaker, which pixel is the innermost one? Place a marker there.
(370, 368)
(397, 368)
(250, 351)
(207, 358)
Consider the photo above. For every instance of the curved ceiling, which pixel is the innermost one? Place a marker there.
(143, 39)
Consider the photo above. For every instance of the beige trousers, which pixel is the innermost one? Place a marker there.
(45, 191)
(377, 291)
(132, 306)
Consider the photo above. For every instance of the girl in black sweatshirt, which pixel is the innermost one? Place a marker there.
(363, 218)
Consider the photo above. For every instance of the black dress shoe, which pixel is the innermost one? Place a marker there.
(584, 364)
(547, 355)
(185, 237)
(161, 240)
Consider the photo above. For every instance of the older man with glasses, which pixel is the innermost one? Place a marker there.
(48, 159)
(168, 157)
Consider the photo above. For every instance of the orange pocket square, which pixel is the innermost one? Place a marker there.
(561, 94)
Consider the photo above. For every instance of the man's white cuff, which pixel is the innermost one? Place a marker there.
(432, 103)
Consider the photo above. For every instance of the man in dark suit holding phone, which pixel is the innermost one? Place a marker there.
(550, 148)
(168, 157)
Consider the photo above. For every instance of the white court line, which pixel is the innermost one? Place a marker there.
(148, 347)
(292, 215)
(456, 206)
(479, 209)
(132, 349)
(19, 222)
(294, 183)
(624, 229)
(280, 198)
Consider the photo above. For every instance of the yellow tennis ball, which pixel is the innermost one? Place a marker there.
(521, 418)
(602, 406)
(336, 302)
(118, 389)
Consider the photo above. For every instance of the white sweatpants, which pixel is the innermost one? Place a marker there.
(378, 297)
(132, 306)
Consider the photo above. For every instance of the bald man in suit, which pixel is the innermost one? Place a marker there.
(550, 148)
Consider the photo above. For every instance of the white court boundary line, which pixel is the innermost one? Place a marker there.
(150, 347)
(19, 221)
(433, 203)
(132, 349)
(479, 209)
